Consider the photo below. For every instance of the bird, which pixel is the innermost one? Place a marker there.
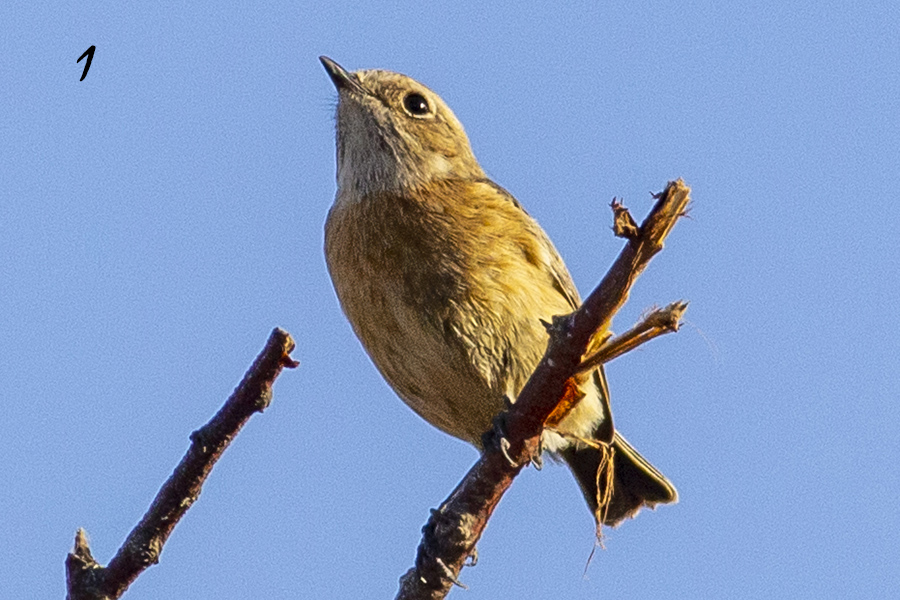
(446, 279)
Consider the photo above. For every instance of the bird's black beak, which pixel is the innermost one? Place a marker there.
(342, 79)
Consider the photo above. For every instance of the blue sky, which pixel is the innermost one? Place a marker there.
(160, 217)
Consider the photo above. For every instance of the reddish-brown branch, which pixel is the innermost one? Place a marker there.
(85, 578)
(451, 533)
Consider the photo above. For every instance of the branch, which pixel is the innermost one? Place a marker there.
(88, 580)
(452, 531)
(659, 322)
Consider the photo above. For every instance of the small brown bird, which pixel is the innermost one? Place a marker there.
(445, 279)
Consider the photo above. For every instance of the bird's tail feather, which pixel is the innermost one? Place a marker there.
(634, 481)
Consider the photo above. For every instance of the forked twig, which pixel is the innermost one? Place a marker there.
(451, 533)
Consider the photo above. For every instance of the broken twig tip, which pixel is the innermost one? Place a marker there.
(82, 544)
(675, 312)
(624, 225)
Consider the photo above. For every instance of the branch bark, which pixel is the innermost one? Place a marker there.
(88, 580)
(451, 533)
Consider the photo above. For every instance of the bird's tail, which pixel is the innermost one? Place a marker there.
(634, 481)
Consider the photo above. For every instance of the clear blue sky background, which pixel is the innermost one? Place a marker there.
(159, 218)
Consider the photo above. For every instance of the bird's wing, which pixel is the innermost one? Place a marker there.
(563, 283)
(562, 280)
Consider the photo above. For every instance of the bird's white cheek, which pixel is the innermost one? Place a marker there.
(438, 165)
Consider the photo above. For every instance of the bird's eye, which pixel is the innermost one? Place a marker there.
(416, 104)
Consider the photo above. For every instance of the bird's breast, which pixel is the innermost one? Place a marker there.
(446, 299)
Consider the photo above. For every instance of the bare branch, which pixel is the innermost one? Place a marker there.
(451, 533)
(85, 578)
(659, 322)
